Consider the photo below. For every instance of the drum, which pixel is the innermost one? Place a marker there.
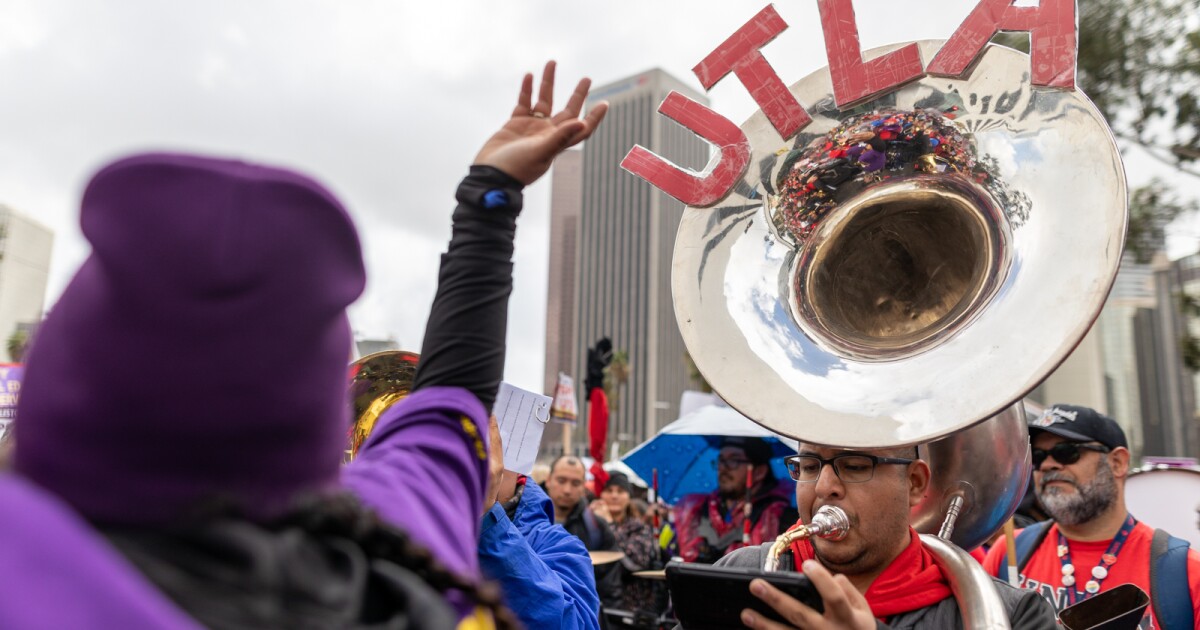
(1167, 498)
(605, 557)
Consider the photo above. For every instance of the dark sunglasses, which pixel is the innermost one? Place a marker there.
(1065, 452)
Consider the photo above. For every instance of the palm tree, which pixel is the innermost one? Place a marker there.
(615, 375)
(16, 345)
(695, 375)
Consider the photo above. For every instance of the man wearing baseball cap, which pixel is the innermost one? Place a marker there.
(1093, 543)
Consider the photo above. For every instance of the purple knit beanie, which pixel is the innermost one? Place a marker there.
(199, 354)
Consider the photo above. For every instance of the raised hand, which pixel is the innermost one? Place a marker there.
(527, 144)
(495, 465)
(600, 509)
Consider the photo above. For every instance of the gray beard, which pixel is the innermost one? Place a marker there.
(1089, 500)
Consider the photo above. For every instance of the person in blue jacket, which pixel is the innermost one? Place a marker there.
(545, 572)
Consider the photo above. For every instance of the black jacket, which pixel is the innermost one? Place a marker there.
(235, 575)
(597, 536)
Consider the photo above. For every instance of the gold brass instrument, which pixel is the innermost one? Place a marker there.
(902, 273)
(830, 522)
(377, 381)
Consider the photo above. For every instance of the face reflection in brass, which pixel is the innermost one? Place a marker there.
(377, 381)
(899, 229)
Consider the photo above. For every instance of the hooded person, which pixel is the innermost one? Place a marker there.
(183, 415)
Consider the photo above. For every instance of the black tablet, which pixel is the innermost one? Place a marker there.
(707, 597)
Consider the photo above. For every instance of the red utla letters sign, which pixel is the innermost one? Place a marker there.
(1053, 46)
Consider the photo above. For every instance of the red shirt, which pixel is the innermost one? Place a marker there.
(1043, 573)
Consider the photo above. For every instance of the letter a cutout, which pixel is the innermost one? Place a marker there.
(1053, 43)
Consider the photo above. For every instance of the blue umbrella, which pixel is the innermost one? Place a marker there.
(685, 451)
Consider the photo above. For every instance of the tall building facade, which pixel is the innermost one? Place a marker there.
(566, 199)
(1186, 276)
(562, 349)
(1168, 395)
(1132, 298)
(623, 243)
(25, 247)
(1130, 365)
(366, 347)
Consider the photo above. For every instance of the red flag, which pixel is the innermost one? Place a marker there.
(747, 509)
(598, 435)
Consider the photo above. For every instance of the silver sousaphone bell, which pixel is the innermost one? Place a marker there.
(903, 272)
(895, 306)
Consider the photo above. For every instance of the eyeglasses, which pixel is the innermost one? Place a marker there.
(850, 468)
(724, 462)
(1065, 452)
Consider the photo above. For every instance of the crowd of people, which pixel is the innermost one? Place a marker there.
(178, 454)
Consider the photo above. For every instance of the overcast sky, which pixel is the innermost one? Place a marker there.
(386, 102)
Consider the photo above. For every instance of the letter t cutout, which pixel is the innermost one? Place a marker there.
(740, 54)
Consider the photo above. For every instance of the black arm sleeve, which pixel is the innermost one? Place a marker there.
(465, 336)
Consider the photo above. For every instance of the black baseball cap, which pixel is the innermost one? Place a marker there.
(620, 480)
(1081, 424)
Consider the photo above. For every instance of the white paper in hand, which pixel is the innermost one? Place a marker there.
(522, 416)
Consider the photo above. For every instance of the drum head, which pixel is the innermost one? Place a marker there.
(1167, 498)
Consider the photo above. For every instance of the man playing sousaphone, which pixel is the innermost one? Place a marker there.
(880, 570)
(877, 569)
(874, 261)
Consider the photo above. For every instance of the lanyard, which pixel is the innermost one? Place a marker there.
(1100, 571)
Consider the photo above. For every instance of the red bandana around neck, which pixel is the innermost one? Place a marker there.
(912, 581)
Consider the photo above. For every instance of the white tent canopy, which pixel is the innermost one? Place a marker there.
(615, 466)
(684, 453)
(720, 419)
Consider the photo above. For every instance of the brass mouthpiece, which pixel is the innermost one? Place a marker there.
(830, 523)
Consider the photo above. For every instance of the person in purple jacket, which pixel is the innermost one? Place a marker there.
(183, 413)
